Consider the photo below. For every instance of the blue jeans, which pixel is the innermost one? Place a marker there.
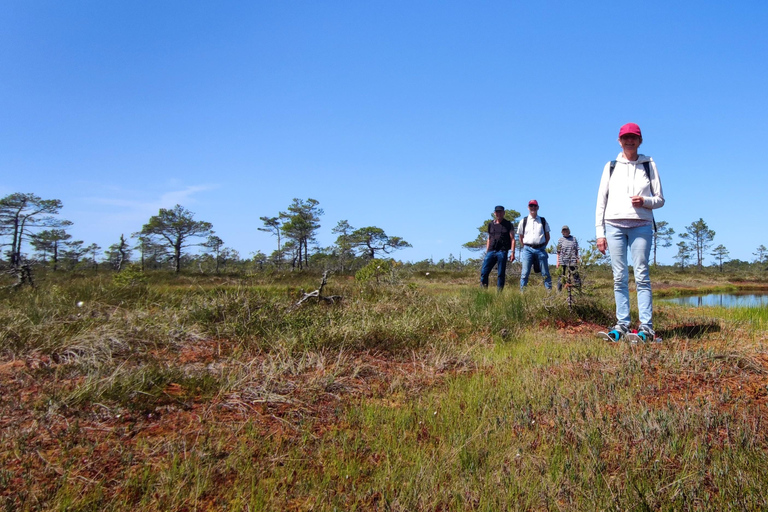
(638, 241)
(493, 258)
(526, 258)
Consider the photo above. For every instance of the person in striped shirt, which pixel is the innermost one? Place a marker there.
(568, 256)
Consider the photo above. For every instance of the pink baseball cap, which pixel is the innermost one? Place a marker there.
(630, 128)
(533, 202)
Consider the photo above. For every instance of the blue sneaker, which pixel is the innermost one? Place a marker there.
(615, 334)
(646, 334)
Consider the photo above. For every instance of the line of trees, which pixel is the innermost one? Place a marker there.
(694, 244)
(167, 239)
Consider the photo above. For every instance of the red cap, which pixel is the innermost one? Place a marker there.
(630, 128)
(533, 202)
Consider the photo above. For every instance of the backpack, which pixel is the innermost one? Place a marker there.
(536, 264)
(543, 224)
(647, 167)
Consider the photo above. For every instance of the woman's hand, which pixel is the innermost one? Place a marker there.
(637, 201)
(602, 245)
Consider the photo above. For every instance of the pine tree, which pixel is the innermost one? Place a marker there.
(300, 225)
(174, 228)
(700, 237)
(369, 241)
(720, 253)
(22, 215)
(662, 236)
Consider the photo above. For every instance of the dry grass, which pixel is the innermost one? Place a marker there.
(203, 396)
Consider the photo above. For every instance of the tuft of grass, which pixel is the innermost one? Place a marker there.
(755, 316)
(145, 388)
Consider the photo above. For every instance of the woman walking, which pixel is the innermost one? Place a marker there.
(630, 189)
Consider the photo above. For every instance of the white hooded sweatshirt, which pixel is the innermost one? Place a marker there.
(628, 179)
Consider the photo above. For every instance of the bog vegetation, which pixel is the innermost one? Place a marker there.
(415, 391)
(201, 381)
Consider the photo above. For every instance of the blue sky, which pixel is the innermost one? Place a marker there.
(416, 117)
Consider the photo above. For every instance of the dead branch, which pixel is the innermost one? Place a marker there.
(23, 275)
(318, 294)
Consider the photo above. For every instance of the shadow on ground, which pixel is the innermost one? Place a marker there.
(690, 330)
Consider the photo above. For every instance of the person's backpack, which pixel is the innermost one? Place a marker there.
(647, 167)
(543, 225)
(536, 264)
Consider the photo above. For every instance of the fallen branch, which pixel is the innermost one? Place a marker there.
(318, 294)
(23, 275)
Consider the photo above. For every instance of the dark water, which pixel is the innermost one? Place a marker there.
(726, 300)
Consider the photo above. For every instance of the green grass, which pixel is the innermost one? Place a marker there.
(113, 318)
(756, 316)
(525, 434)
(204, 394)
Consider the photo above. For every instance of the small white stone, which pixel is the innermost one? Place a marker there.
(80, 303)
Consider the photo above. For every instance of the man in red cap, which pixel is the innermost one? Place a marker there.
(534, 237)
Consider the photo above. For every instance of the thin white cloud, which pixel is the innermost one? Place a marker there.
(171, 199)
(166, 200)
(104, 216)
(124, 209)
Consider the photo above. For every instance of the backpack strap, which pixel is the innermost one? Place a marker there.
(647, 167)
(543, 226)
